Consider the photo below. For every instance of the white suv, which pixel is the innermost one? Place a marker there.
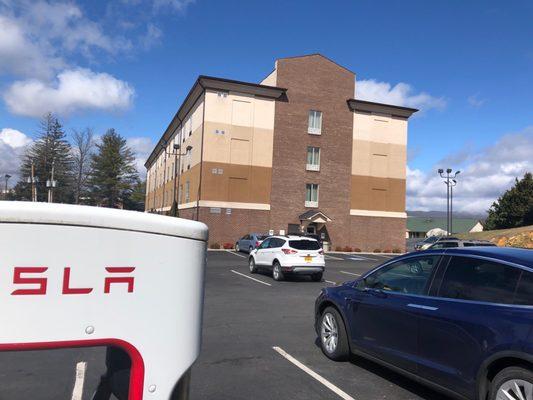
(289, 255)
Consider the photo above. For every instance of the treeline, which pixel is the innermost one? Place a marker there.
(85, 170)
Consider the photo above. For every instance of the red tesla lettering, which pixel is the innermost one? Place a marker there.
(18, 279)
(66, 285)
(119, 279)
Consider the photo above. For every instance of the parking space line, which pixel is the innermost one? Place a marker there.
(235, 254)
(322, 380)
(77, 391)
(349, 273)
(333, 258)
(249, 277)
(333, 283)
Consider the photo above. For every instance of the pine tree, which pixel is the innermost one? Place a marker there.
(50, 149)
(113, 175)
(137, 198)
(514, 208)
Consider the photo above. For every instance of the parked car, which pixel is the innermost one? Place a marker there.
(424, 244)
(448, 243)
(286, 255)
(459, 320)
(249, 242)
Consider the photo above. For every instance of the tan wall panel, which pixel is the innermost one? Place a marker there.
(379, 128)
(217, 147)
(385, 160)
(270, 80)
(379, 194)
(237, 183)
(240, 152)
(242, 112)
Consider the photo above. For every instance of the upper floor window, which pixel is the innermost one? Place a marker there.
(315, 122)
(311, 195)
(313, 158)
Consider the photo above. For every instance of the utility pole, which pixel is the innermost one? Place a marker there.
(449, 180)
(51, 184)
(33, 180)
(7, 176)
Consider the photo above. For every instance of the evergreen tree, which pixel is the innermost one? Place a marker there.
(514, 208)
(114, 176)
(50, 149)
(137, 198)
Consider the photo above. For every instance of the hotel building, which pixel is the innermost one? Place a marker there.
(295, 153)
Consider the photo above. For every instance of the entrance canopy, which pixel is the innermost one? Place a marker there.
(314, 216)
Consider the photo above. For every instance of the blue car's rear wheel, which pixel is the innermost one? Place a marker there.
(333, 338)
(512, 383)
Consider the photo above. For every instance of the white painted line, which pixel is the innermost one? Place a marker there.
(334, 258)
(77, 392)
(322, 380)
(360, 258)
(235, 254)
(249, 277)
(333, 283)
(349, 273)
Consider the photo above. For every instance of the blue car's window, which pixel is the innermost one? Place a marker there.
(407, 276)
(479, 280)
(524, 293)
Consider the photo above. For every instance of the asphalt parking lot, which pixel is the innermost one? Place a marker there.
(258, 343)
(246, 318)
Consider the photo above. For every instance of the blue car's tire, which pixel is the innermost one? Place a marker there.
(332, 335)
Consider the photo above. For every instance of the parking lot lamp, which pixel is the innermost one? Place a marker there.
(448, 178)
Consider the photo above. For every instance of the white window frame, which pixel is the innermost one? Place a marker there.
(187, 191)
(314, 124)
(315, 158)
(309, 202)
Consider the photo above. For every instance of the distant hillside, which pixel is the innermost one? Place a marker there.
(442, 214)
(515, 237)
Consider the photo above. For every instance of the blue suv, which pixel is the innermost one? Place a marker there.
(459, 320)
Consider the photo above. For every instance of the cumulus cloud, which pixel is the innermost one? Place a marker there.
(401, 94)
(484, 176)
(13, 143)
(142, 146)
(73, 90)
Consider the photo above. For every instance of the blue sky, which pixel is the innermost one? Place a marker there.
(467, 65)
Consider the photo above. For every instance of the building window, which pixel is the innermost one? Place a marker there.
(311, 195)
(187, 191)
(313, 158)
(315, 122)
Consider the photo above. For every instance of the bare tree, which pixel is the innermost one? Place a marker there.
(82, 149)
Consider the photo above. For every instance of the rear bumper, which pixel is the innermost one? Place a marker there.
(303, 269)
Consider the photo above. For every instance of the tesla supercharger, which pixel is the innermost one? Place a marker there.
(77, 276)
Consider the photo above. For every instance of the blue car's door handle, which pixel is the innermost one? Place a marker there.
(422, 307)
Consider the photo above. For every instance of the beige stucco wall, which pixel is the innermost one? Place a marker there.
(271, 79)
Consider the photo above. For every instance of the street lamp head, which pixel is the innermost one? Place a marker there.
(7, 176)
(189, 148)
(449, 170)
(458, 172)
(176, 146)
(440, 171)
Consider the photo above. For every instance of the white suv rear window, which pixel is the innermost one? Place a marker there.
(304, 244)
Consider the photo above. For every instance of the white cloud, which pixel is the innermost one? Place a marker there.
(13, 143)
(152, 37)
(475, 101)
(484, 176)
(401, 94)
(177, 5)
(74, 90)
(142, 146)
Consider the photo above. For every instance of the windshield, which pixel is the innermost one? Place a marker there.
(304, 244)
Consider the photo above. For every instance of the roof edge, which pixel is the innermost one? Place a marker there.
(370, 106)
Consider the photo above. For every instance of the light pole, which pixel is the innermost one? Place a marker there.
(448, 178)
(6, 176)
(177, 175)
(453, 182)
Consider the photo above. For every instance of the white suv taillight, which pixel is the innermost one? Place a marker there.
(320, 252)
(289, 251)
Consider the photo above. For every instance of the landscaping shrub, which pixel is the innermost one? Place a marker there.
(215, 245)
(357, 250)
(387, 251)
(396, 251)
(347, 249)
(377, 251)
(228, 246)
(338, 248)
